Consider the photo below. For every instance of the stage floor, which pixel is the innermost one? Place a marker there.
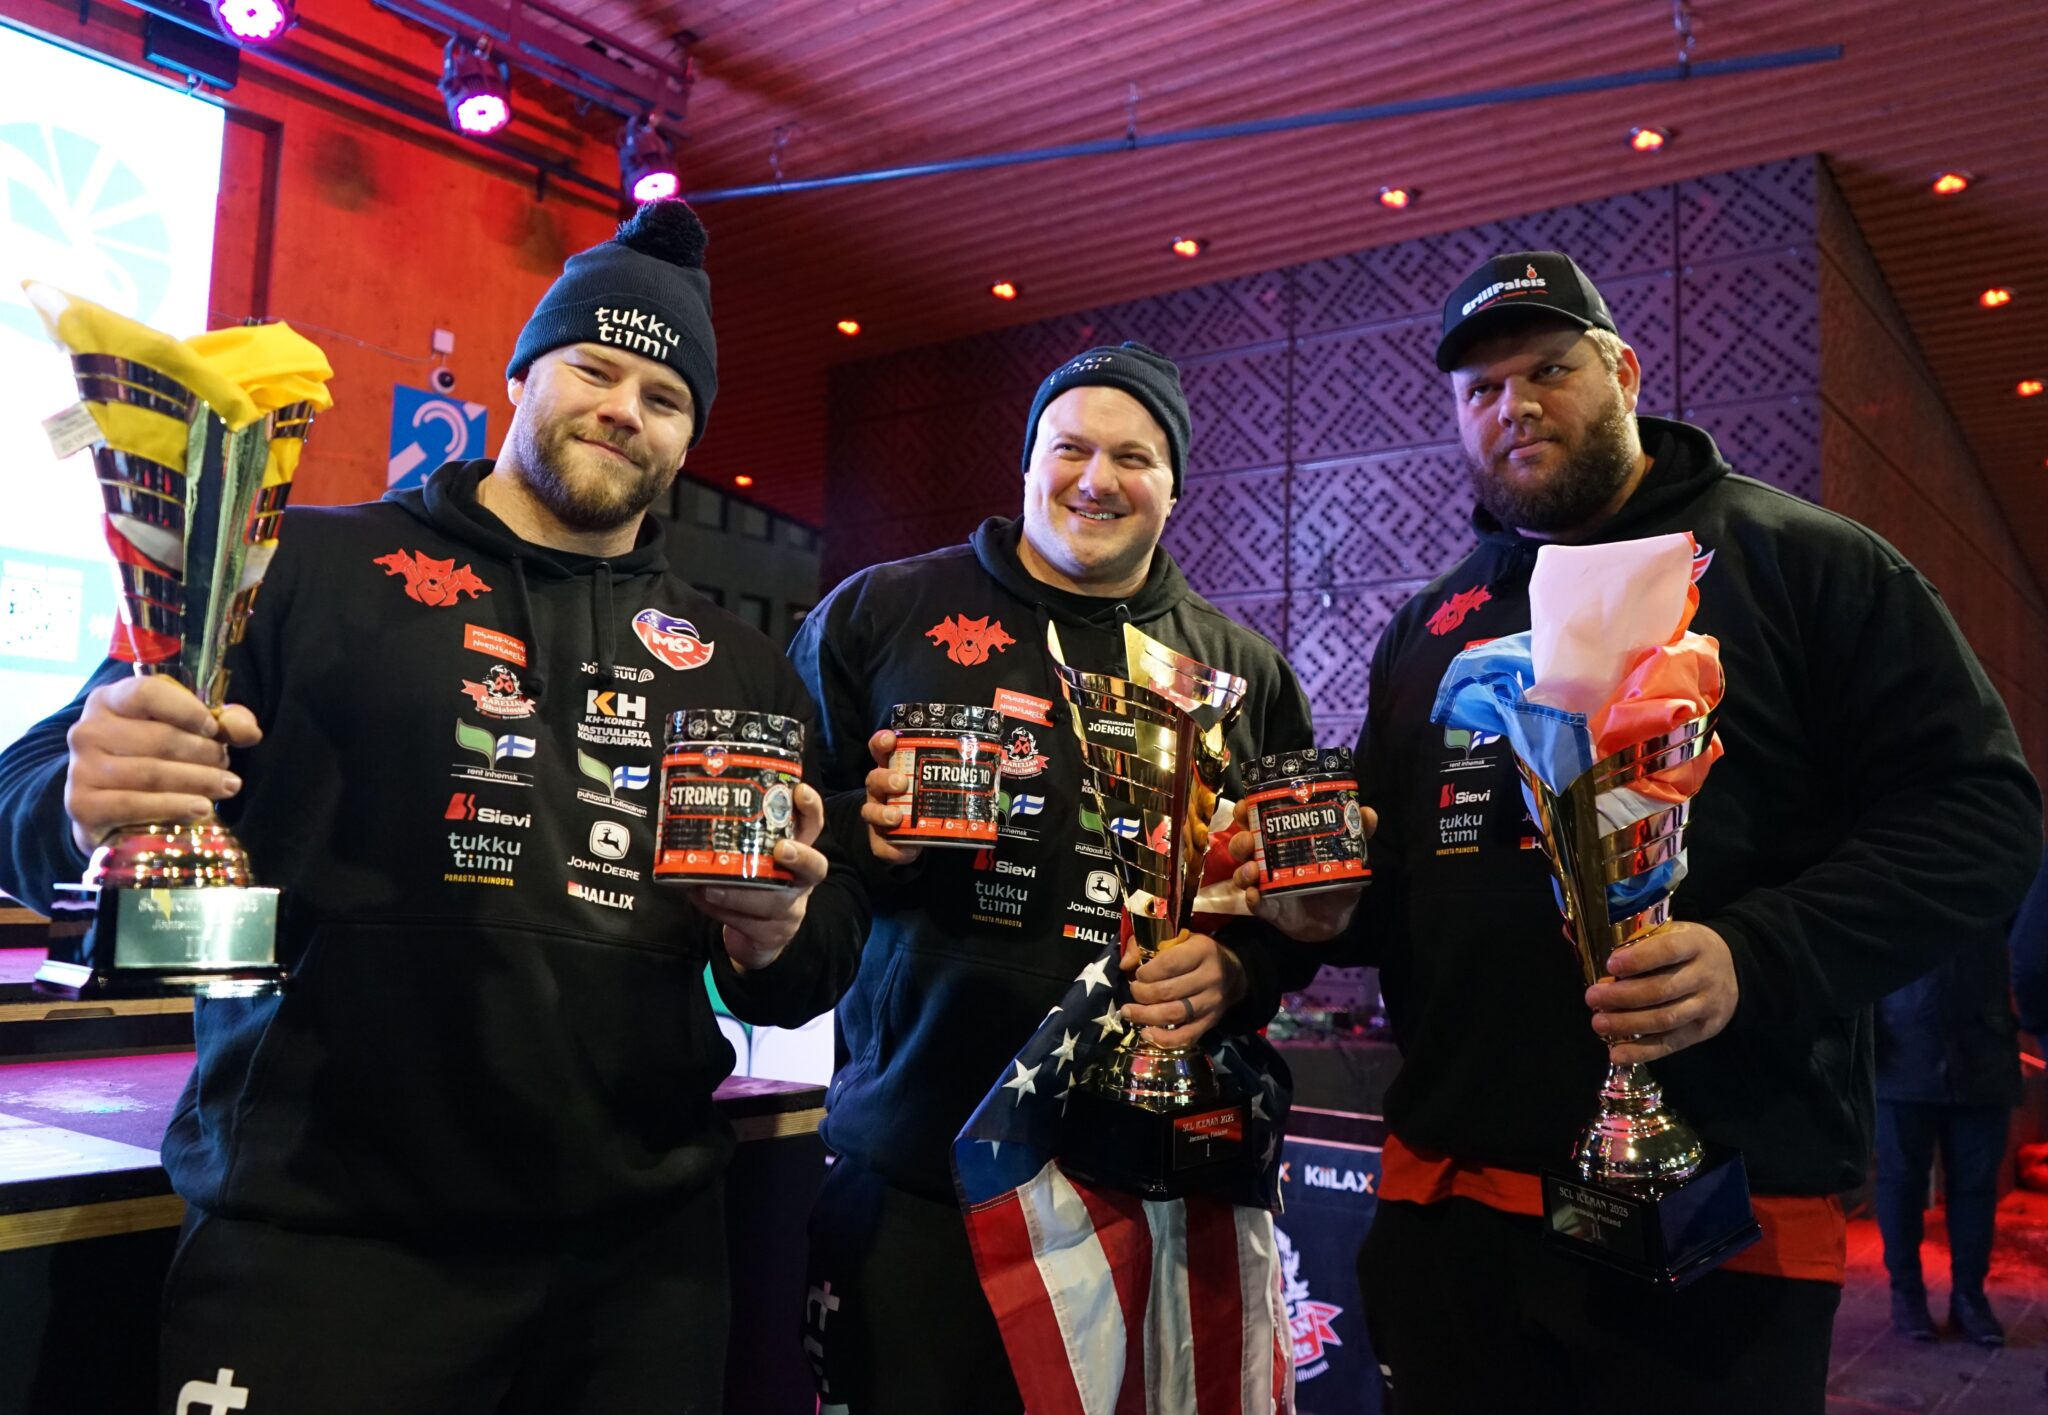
(1878, 1372)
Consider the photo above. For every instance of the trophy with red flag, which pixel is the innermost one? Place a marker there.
(194, 445)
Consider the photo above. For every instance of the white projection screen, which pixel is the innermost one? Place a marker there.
(107, 189)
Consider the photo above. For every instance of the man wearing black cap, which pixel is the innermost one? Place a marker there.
(468, 1161)
(970, 949)
(1872, 810)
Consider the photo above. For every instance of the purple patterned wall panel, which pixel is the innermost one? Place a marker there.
(1752, 327)
(1400, 515)
(1237, 404)
(962, 451)
(1775, 440)
(1204, 319)
(1262, 614)
(1326, 368)
(1389, 283)
(1338, 729)
(1752, 209)
(1618, 236)
(1370, 391)
(1645, 310)
(1331, 644)
(895, 538)
(1229, 534)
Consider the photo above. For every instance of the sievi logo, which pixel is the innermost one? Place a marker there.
(462, 806)
(1452, 796)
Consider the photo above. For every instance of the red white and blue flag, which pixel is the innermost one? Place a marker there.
(1110, 1304)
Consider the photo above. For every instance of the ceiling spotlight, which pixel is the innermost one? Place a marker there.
(1398, 198)
(848, 327)
(475, 88)
(647, 163)
(742, 479)
(1188, 247)
(254, 21)
(1004, 289)
(2029, 388)
(1947, 184)
(1648, 139)
(1994, 297)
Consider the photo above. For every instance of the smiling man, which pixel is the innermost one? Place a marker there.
(468, 1163)
(970, 949)
(1871, 813)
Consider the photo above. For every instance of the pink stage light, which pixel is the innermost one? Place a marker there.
(255, 20)
(482, 114)
(655, 186)
(475, 87)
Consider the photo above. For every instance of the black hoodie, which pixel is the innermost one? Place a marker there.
(970, 948)
(496, 1018)
(1871, 812)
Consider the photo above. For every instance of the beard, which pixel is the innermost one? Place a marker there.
(1585, 483)
(586, 498)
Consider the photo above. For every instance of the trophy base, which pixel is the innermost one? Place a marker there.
(1157, 1154)
(1665, 1234)
(161, 942)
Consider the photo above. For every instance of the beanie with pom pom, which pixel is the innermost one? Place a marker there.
(643, 292)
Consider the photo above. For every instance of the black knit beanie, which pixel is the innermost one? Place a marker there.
(1148, 376)
(643, 291)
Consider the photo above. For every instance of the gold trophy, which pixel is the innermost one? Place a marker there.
(1152, 1119)
(1643, 1194)
(195, 444)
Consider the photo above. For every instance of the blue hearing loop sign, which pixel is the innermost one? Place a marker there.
(428, 429)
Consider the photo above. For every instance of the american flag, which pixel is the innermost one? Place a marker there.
(1110, 1304)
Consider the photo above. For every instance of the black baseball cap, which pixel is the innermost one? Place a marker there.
(1509, 286)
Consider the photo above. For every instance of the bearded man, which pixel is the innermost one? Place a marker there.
(1871, 814)
(468, 1162)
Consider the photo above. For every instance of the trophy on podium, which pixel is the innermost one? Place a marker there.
(1150, 1119)
(194, 444)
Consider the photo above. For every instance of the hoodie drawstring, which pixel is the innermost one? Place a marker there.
(604, 631)
(536, 678)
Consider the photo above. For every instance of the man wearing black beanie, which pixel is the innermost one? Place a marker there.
(468, 1162)
(969, 949)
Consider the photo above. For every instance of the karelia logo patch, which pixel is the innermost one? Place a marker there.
(1451, 613)
(970, 641)
(674, 641)
(432, 581)
(498, 695)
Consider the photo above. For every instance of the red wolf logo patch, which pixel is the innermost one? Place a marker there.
(969, 641)
(1451, 613)
(432, 581)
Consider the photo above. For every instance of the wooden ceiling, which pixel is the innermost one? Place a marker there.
(852, 86)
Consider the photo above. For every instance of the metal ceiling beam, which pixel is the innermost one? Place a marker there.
(1402, 108)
